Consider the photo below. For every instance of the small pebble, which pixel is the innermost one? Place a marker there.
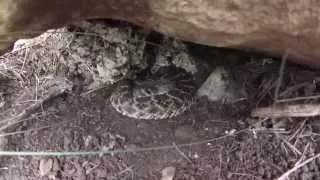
(45, 166)
(168, 173)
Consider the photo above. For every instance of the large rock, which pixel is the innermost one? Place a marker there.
(275, 26)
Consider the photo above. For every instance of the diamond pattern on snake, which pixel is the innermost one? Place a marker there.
(167, 93)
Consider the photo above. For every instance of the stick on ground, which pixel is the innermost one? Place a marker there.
(287, 110)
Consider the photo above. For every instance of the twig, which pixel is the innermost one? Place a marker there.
(292, 147)
(281, 71)
(182, 154)
(128, 169)
(298, 98)
(303, 154)
(270, 130)
(287, 110)
(286, 174)
(292, 89)
(245, 174)
(299, 130)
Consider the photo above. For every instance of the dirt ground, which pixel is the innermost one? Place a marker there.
(212, 140)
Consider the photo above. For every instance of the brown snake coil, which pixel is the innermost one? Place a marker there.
(165, 94)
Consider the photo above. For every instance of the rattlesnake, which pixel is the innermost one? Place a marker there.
(164, 94)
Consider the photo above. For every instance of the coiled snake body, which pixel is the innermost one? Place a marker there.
(167, 93)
